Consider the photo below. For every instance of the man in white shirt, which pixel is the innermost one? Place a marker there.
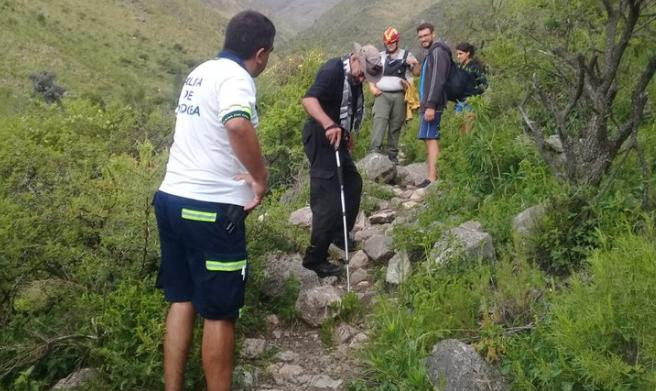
(215, 175)
(389, 103)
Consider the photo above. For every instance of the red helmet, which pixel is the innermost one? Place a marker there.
(391, 35)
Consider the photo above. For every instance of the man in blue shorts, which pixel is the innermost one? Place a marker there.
(434, 74)
(215, 175)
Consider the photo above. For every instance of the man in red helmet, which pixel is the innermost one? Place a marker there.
(389, 105)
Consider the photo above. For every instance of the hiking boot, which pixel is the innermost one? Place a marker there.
(394, 159)
(424, 184)
(325, 269)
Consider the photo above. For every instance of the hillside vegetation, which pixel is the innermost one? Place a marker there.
(569, 308)
(135, 51)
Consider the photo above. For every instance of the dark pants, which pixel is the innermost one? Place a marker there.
(325, 201)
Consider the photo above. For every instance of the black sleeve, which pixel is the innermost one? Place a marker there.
(324, 84)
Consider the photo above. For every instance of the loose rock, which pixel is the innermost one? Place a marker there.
(379, 248)
(301, 217)
(317, 304)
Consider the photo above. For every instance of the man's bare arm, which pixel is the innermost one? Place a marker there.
(244, 142)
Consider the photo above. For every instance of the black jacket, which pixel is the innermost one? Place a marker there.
(434, 74)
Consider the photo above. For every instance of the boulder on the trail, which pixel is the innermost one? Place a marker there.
(382, 217)
(455, 366)
(318, 304)
(323, 382)
(361, 222)
(379, 248)
(359, 260)
(252, 348)
(280, 267)
(398, 268)
(358, 276)
(466, 240)
(377, 167)
(301, 217)
(412, 174)
(76, 379)
(524, 223)
(369, 232)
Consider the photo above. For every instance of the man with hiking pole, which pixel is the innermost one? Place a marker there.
(215, 175)
(335, 105)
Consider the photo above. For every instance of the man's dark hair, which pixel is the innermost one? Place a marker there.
(248, 32)
(424, 26)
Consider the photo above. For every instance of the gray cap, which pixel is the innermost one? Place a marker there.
(369, 57)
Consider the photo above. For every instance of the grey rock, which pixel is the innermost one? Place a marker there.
(288, 373)
(330, 280)
(398, 268)
(383, 204)
(409, 205)
(418, 195)
(323, 382)
(253, 348)
(279, 267)
(413, 174)
(358, 276)
(287, 356)
(361, 222)
(273, 320)
(370, 232)
(318, 304)
(277, 334)
(76, 379)
(358, 260)
(455, 366)
(244, 378)
(467, 240)
(358, 340)
(378, 168)
(301, 217)
(344, 333)
(382, 217)
(524, 223)
(554, 143)
(379, 248)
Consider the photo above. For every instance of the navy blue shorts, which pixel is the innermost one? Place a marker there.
(203, 247)
(430, 130)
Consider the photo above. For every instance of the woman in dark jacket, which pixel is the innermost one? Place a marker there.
(478, 82)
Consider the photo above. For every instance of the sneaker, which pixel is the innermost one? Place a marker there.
(424, 184)
(325, 269)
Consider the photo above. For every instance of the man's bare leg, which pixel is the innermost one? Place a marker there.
(179, 328)
(433, 151)
(218, 350)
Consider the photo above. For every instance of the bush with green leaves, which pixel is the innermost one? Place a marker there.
(598, 333)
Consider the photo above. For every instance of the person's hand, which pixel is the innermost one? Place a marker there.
(405, 84)
(429, 115)
(374, 90)
(259, 189)
(334, 136)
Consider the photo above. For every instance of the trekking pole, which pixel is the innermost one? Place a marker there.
(340, 177)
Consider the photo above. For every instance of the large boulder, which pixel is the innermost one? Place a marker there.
(455, 366)
(279, 268)
(378, 168)
(301, 217)
(318, 304)
(398, 268)
(379, 247)
(524, 223)
(412, 174)
(382, 217)
(466, 240)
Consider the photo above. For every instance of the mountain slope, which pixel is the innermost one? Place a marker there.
(131, 49)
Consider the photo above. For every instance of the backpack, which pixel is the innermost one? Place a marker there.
(459, 81)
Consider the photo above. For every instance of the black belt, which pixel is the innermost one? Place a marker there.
(394, 92)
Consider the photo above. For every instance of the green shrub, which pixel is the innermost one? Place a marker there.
(599, 333)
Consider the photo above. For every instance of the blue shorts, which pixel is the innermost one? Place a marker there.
(203, 247)
(430, 130)
(462, 106)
